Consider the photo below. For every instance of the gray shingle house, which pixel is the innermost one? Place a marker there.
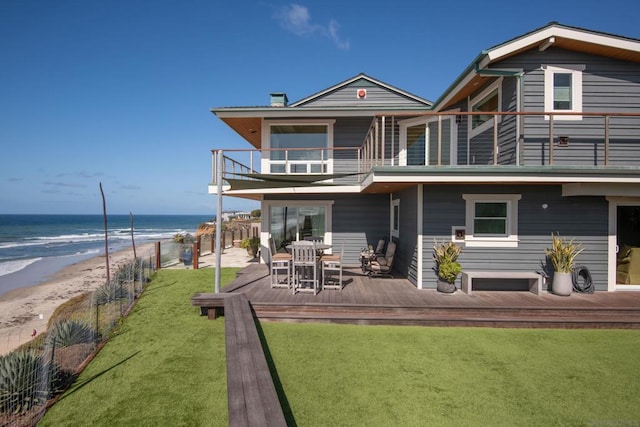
(538, 135)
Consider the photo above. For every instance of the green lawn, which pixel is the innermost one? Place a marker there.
(166, 366)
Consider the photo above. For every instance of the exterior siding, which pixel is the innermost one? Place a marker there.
(377, 96)
(406, 259)
(348, 132)
(444, 208)
(608, 85)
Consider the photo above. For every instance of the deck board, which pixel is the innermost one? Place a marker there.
(385, 300)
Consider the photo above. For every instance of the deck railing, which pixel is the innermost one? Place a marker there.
(515, 138)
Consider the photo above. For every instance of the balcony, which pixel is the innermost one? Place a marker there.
(429, 142)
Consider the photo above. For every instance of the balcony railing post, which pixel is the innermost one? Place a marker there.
(606, 140)
(550, 139)
(439, 140)
(382, 139)
(495, 139)
(376, 143)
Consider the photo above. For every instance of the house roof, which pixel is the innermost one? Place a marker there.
(247, 121)
(361, 76)
(553, 34)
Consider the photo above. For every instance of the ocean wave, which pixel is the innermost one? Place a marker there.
(9, 267)
(114, 236)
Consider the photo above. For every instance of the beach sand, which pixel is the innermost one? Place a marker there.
(25, 309)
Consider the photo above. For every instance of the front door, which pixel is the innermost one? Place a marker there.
(628, 245)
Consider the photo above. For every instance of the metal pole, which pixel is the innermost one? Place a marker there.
(218, 220)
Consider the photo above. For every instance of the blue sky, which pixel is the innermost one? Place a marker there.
(120, 91)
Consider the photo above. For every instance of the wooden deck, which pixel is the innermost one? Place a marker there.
(396, 301)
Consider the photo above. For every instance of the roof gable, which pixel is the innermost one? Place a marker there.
(553, 34)
(362, 91)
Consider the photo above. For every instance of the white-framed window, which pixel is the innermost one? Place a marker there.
(489, 101)
(298, 147)
(563, 90)
(491, 220)
(395, 218)
(419, 139)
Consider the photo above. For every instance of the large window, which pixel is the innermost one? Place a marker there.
(299, 147)
(290, 221)
(488, 101)
(563, 91)
(491, 219)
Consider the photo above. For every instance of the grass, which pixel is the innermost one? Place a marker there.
(410, 376)
(166, 366)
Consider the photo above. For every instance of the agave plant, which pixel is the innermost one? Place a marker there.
(26, 381)
(109, 292)
(70, 332)
(563, 253)
(445, 256)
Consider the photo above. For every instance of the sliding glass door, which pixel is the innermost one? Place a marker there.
(290, 223)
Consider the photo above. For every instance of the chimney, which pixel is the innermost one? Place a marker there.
(279, 99)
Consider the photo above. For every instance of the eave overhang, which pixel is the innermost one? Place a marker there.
(247, 121)
(553, 35)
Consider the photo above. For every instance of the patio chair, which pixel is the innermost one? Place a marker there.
(332, 266)
(379, 251)
(381, 266)
(280, 267)
(305, 267)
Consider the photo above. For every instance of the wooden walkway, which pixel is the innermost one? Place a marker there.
(396, 301)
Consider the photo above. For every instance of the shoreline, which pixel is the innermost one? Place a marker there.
(24, 309)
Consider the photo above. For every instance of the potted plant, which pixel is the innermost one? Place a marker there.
(251, 244)
(445, 256)
(562, 255)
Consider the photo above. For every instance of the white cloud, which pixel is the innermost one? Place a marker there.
(297, 19)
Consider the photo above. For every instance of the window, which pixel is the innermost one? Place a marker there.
(395, 218)
(491, 220)
(294, 220)
(299, 147)
(420, 137)
(563, 90)
(489, 101)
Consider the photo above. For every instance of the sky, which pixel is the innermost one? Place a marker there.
(119, 92)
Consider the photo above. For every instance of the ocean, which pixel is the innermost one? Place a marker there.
(43, 244)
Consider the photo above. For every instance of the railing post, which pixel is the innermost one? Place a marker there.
(158, 260)
(439, 140)
(196, 254)
(495, 139)
(376, 142)
(606, 140)
(383, 138)
(550, 139)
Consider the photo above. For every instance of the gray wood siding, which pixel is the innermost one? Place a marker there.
(348, 132)
(357, 220)
(608, 85)
(406, 260)
(377, 96)
(582, 218)
(481, 146)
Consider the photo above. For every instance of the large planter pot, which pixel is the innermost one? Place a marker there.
(187, 257)
(562, 284)
(252, 251)
(445, 287)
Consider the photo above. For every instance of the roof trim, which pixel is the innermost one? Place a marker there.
(355, 78)
(528, 40)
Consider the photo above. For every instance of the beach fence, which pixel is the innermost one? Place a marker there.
(33, 375)
(188, 250)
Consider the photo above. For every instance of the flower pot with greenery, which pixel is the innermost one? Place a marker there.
(562, 255)
(445, 256)
(251, 244)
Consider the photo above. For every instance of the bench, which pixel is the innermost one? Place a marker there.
(251, 393)
(535, 279)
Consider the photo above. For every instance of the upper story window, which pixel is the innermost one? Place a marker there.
(489, 101)
(491, 220)
(563, 90)
(299, 147)
(428, 140)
